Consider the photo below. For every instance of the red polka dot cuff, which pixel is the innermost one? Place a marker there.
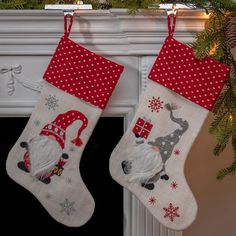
(200, 81)
(83, 73)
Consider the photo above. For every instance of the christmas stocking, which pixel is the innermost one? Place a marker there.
(45, 159)
(149, 159)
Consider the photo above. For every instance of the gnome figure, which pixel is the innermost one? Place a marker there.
(145, 162)
(44, 155)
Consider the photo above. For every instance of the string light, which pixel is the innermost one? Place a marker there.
(207, 15)
(230, 117)
(213, 50)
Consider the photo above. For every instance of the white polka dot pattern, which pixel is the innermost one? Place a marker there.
(200, 81)
(83, 73)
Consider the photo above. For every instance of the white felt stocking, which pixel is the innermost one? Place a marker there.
(45, 159)
(149, 159)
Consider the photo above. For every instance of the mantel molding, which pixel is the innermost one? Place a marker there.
(29, 38)
(36, 32)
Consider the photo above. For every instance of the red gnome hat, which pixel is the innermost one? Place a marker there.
(58, 127)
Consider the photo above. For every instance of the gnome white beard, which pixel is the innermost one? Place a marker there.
(44, 154)
(146, 163)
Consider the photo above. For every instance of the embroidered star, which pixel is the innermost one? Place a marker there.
(177, 152)
(152, 200)
(67, 207)
(171, 212)
(174, 185)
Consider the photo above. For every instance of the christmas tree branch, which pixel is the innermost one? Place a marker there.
(227, 171)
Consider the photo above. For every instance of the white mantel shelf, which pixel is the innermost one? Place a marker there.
(29, 38)
(108, 32)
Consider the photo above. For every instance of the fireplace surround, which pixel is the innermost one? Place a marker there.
(28, 39)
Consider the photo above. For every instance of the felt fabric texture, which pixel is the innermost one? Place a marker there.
(149, 159)
(46, 157)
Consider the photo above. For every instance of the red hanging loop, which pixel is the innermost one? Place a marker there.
(171, 24)
(66, 28)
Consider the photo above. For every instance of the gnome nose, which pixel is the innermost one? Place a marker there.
(155, 149)
(51, 137)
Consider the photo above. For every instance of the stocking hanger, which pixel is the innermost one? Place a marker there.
(69, 8)
(171, 8)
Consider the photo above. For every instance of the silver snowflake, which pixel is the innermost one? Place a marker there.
(72, 149)
(51, 102)
(36, 122)
(67, 207)
(48, 196)
(69, 180)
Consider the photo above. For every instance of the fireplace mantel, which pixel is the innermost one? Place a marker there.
(28, 39)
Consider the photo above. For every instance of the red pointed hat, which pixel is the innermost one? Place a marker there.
(176, 68)
(58, 127)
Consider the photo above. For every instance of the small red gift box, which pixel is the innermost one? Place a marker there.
(142, 127)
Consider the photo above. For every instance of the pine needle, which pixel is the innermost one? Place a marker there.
(226, 171)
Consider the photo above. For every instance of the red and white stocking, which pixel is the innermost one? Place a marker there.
(149, 159)
(45, 159)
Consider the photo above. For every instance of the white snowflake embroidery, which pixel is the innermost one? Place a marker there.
(67, 207)
(36, 122)
(51, 102)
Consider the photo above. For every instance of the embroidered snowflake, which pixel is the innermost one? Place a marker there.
(171, 212)
(155, 104)
(69, 180)
(67, 207)
(176, 152)
(51, 102)
(36, 122)
(72, 149)
(174, 185)
(48, 196)
(152, 200)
